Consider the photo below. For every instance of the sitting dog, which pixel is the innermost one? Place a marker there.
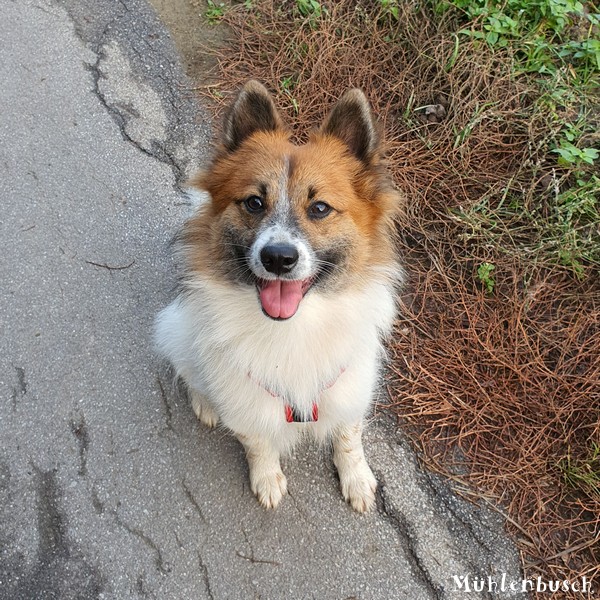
(288, 288)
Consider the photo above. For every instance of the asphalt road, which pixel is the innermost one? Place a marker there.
(109, 488)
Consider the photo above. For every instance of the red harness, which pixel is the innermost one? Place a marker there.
(292, 414)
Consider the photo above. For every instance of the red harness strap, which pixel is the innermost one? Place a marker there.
(292, 414)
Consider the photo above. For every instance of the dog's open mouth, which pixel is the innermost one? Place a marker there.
(280, 298)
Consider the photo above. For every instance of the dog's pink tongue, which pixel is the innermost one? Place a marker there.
(280, 298)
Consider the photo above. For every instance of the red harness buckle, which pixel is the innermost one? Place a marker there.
(293, 415)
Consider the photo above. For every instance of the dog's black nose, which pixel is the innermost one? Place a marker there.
(279, 258)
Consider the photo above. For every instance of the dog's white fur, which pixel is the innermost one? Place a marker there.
(233, 360)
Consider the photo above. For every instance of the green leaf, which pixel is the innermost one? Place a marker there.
(491, 37)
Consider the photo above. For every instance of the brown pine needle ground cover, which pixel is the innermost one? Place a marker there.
(495, 364)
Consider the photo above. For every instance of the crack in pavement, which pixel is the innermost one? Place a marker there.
(80, 431)
(401, 525)
(467, 526)
(51, 524)
(193, 500)
(57, 568)
(157, 152)
(21, 379)
(19, 390)
(141, 587)
(252, 558)
(159, 561)
(205, 576)
(168, 411)
(120, 112)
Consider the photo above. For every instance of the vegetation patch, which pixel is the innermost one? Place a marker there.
(491, 118)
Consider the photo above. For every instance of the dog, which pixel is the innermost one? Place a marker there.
(289, 287)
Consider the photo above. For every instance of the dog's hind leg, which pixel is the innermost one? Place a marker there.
(203, 409)
(356, 478)
(267, 480)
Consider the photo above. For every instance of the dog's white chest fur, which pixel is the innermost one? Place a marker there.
(249, 366)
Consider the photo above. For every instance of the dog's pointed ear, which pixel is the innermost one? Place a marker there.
(252, 110)
(351, 121)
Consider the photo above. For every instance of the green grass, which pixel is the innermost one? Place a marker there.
(562, 228)
(583, 474)
(556, 44)
(484, 274)
(287, 85)
(309, 7)
(546, 34)
(214, 11)
(311, 11)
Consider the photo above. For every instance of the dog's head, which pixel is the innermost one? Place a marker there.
(290, 219)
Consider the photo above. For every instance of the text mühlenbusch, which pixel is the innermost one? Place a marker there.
(501, 584)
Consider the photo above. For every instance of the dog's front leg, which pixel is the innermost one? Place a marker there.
(356, 478)
(267, 480)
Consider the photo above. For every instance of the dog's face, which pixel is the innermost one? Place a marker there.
(291, 220)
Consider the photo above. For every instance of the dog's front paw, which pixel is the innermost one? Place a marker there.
(204, 411)
(269, 487)
(358, 487)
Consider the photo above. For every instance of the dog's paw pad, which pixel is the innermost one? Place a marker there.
(269, 488)
(358, 488)
(204, 411)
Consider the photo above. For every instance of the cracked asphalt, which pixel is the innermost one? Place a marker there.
(109, 488)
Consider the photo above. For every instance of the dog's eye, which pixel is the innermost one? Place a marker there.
(319, 210)
(254, 204)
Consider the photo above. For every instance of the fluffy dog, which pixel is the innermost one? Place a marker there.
(289, 288)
